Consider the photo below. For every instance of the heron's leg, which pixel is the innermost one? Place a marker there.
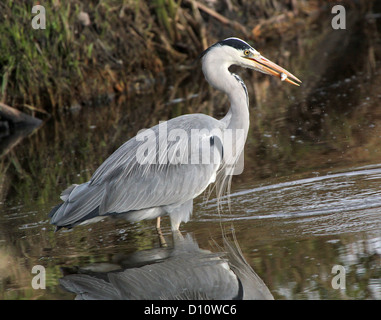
(177, 237)
(180, 214)
(158, 220)
(162, 241)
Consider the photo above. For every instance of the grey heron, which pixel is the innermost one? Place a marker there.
(156, 174)
(182, 272)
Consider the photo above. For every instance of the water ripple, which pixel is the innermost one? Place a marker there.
(349, 200)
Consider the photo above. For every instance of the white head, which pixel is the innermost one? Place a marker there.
(233, 51)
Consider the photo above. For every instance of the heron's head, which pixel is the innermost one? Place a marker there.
(234, 51)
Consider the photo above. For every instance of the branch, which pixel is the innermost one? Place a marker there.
(17, 117)
(221, 18)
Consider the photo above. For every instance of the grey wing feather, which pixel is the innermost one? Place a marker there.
(137, 186)
(123, 182)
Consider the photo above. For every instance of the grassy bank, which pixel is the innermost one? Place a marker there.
(102, 47)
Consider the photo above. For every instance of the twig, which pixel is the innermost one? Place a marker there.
(212, 13)
(34, 109)
(221, 18)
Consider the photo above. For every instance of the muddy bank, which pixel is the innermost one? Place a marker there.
(105, 48)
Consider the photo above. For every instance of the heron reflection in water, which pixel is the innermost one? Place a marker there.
(127, 187)
(182, 272)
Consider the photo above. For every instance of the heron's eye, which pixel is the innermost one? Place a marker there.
(246, 52)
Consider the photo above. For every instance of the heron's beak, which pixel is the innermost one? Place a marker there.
(266, 66)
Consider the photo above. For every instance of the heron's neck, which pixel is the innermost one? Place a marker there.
(238, 115)
(222, 79)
